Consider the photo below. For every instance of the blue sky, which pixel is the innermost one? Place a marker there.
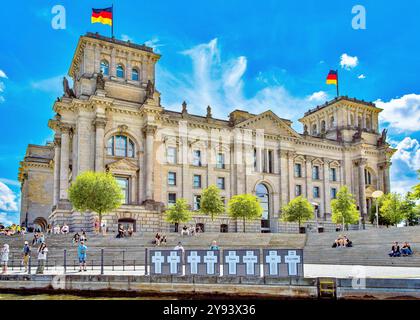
(229, 54)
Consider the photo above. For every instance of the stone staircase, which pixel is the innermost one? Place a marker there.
(370, 247)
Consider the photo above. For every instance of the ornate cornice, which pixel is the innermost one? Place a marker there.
(149, 129)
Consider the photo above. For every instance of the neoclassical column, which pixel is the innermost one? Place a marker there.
(149, 132)
(361, 164)
(284, 179)
(64, 161)
(291, 156)
(327, 192)
(57, 154)
(99, 143)
(386, 179)
(308, 176)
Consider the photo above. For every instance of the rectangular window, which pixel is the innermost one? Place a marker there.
(316, 192)
(333, 174)
(298, 170)
(171, 155)
(197, 199)
(333, 193)
(197, 158)
(171, 199)
(221, 183)
(197, 181)
(270, 161)
(255, 159)
(298, 190)
(172, 178)
(315, 172)
(123, 183)
(220, 164)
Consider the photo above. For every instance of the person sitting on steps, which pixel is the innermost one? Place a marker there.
(184, 231)
(120, 231)
(339, 242)
(406, 249)
(395, 250)
(348, 243)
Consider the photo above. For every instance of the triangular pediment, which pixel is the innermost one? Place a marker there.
(270, 123)
(122, 165)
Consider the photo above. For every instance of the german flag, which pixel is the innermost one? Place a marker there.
(332, 77)
(103, 16)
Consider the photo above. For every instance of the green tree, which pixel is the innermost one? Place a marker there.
(179, 212)
(416, 189)
(372, 212)
(245, 207)
(211, 203)
(392, 210)
(96, 192)
(344, 208)
(297, 210)
(409, 209)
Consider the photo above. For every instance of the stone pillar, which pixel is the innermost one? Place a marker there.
(361, 164)
(386, 179)
(57, 154)
(284, 179)
(64, 161)
(99, 144)
(327, 192)
(291, 156)
(149, 132)
(113, 66)
(308, 177)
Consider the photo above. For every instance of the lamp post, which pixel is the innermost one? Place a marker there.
(377, 194)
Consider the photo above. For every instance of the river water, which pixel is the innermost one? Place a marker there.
(7, 296)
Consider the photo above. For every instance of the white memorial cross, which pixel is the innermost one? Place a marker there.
(194, 259)
(250, 259)
(157, 260)
(210, 259)
(173, 260)
(292, 260)
(273, 260)
(232, 259)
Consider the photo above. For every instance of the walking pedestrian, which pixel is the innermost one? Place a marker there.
(26, 255)
(42, 257)
(5, 257)
(82, 253)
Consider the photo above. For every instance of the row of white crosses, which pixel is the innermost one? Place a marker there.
(273, 259)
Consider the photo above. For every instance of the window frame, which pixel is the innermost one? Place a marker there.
(223, 184)
(119, 65)
(199, 181)
(102, 65)
(170, 180)
(135, 71)
(129, 148)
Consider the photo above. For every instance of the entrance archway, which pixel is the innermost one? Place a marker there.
(264, 196)
(128, 222)
(40, 223)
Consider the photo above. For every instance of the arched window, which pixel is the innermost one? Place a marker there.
(105, 67)
(314, 129)
(135, 74)
(368, 177)
(120, 71)
(263, 195)
(332, 122)
(120, 146)
(323, 126)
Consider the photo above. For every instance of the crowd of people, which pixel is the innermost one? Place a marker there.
(190, 231)
(12, 230)
(160, 239)
(342, 242)
(404, 251)
(123, 233)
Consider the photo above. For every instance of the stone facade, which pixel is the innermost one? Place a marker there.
(113, 120)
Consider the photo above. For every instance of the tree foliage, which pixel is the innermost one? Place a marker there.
(245, 207)
(95, 191)
(344, 209)
(298, 210)
(211, 203)
(392, 209)
(416, 189)
(179, 212)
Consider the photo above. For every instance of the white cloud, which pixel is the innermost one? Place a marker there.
(10, 182)
(125, 37)
(5, 219)
(348, 62)
(8, 199)
(319, 96)
(3, 74)
(402, 114)
(219, 83)
(154, 43)
(362, 76)
(2, 86)
(408, 152)
(50, 85)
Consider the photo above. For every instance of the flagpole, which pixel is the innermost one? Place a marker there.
(338, 92)
(112, 22)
